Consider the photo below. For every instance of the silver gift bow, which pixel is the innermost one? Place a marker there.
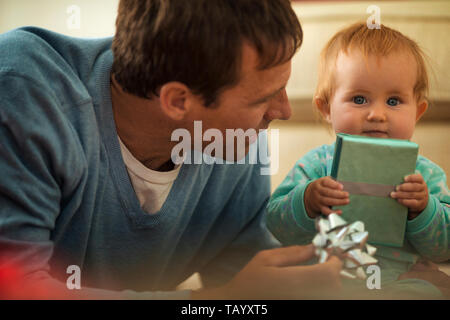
(346, 241)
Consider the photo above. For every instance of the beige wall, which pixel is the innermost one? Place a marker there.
(97, 17)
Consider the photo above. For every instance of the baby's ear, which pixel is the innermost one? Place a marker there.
(323, 107)
(421, 108)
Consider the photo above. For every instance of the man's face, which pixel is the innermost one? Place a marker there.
(253, 103)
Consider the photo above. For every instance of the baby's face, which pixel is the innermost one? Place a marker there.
(374, 96)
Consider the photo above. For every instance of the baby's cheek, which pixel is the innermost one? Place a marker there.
(346, 122)
(403, 128)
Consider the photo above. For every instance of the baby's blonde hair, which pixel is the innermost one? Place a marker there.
(379, 42)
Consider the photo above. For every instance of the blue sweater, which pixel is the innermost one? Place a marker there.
(65, 195)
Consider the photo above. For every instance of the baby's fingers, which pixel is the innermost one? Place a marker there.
(332, 193)
(334, 202)
(410, 187)
(331, 184)
(410, 203)
(407, 195)
(417, 177)
(327, 210)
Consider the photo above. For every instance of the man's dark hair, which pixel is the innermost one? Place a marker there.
(198, 42)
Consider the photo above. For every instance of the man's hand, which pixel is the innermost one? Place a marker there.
(275, 274)
(413, 193)
(322, 194)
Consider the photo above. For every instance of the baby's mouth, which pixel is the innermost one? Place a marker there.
(375, 133)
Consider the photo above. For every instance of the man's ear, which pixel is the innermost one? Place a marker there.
(421, 108)
(173, 97)
(323, 107)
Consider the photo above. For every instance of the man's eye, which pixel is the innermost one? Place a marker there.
(359, 100)
(393, 102)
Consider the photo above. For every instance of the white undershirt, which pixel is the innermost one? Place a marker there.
(151, 187)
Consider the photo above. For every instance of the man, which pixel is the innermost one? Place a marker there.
(87, 174)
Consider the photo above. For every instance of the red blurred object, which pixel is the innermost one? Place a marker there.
(10, 282)
(14, 286)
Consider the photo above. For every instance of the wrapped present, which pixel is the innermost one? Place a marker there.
(345, 240)
(370, 168)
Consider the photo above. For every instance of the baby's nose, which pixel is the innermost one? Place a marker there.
(377, 113)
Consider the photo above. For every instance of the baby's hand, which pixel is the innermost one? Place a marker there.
(413, 193)
(322, 194)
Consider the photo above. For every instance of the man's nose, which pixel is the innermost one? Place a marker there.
(377, 113)
(280, 108)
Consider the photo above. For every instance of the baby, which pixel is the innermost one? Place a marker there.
(372, 82)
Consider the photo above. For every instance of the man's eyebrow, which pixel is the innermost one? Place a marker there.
(267, 97)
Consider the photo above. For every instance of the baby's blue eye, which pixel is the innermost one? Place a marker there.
(359, 100)
(392, 102)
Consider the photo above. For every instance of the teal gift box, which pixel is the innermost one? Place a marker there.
(370, 168)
